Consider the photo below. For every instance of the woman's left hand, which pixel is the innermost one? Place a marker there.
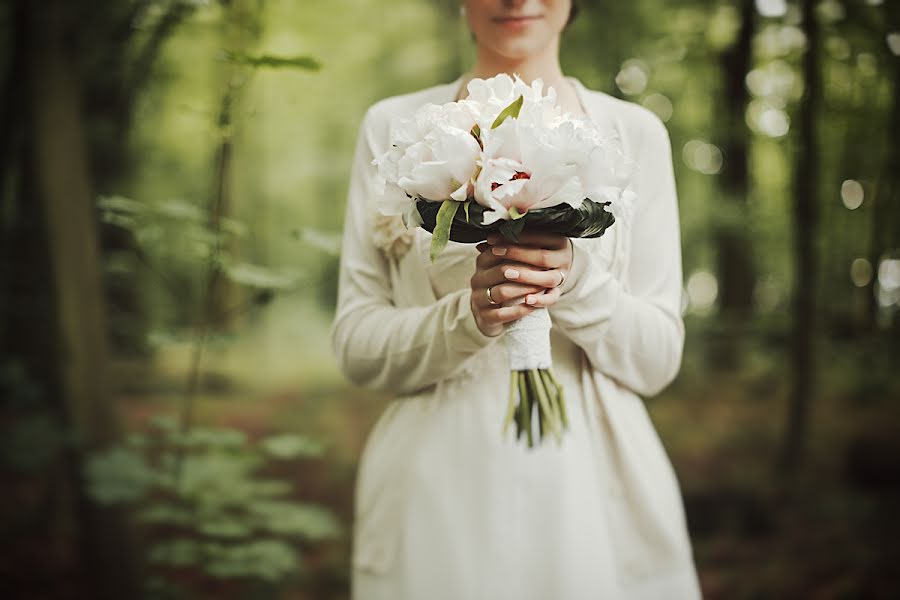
(539, 259)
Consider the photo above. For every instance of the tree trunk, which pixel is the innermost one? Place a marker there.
(885, 201)
(736, 272)
(806, 197)
(63, 189)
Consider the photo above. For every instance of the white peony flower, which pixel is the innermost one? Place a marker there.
(432, 156)
(528, 165)
(540, 158)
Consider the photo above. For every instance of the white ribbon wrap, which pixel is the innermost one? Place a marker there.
(527, 341)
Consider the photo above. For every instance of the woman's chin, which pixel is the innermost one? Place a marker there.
(517, 49)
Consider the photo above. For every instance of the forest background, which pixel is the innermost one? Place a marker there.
(173, 175)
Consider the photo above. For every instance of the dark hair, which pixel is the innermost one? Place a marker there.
(573, 12)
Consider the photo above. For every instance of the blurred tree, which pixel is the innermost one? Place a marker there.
(880, 22)
(58, 181)
(115, 45)
(735, 268)
(241, 30)
(118, 64)
(805, 221)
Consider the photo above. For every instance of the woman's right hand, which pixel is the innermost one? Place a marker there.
(489, 275)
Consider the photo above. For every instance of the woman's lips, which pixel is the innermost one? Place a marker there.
(515, 22)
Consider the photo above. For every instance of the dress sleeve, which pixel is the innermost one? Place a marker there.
(634, 333)
(377, 344)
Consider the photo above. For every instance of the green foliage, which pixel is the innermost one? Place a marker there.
(442, 223)
(232, 521)
(290, 446)
(591, 219)
(510, 111)
(176, 235)
(34, 438)
(306, 63)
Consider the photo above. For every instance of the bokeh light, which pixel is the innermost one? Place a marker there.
(660, 105)
(776, 41)
(889, 274)
(830, 11)
(633, 77)
(776, 79)
(765, 118)
(861, 272)
(893, 42)
(888, 288)
(702, 289)
(702, 157)
(771, 8)
(852, 194)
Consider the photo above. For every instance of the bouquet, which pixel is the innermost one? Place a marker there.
(500, 160)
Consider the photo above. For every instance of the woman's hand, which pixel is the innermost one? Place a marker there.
(534, 268)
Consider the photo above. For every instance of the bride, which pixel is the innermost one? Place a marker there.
(446, 507)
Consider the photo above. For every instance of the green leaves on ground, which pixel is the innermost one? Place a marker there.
(232, 521)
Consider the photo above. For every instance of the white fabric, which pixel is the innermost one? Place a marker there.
(527, 341)
(446, 507)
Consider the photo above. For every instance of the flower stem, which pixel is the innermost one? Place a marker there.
(562, 401)
(511, 405)
(523, 404)
(547, 411)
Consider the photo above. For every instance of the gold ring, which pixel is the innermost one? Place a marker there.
(490, 298)
(562, 278)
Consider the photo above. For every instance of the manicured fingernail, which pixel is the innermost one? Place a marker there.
(498, 250)
(511, 274)
(530, 299)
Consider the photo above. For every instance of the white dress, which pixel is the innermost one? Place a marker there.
(448, 509)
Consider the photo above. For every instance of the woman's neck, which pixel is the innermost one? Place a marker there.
(544, 66)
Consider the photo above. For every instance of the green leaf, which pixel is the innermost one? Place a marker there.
(224, 527)
(512, 229)
(510, 111)
(266, 559)
(476, 133)
(118, 474)
(121, 204)
(260, 277)
(181, 210)
(175, 553)
(514, 213)
(441, 233)
(307, 63)
(590, 220)
(308, 521)
(289, 445)
(466, 208)
(164, 513)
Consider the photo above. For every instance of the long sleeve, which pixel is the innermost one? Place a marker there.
(377, 344)
(634, 333)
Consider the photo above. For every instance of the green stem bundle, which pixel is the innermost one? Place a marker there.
(536, 390)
